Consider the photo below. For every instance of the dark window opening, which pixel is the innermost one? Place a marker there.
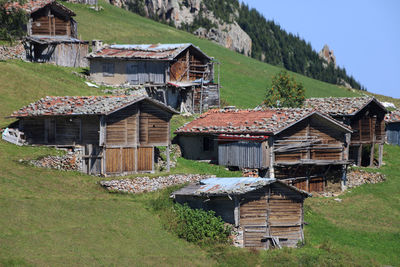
(208, 144)
(108, 70)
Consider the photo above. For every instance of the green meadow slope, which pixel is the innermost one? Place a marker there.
(53, 218)
(244, 80)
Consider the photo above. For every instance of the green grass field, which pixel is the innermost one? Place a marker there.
(52, 218)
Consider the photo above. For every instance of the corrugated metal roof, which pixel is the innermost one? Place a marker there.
(229, 186)
(45, 39)
(143, 51)
(82, 105)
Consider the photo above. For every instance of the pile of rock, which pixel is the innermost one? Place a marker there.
(359, 177)
(147, 184)
(68, 162)
(250, 173)
(12, 52)
(161, 157)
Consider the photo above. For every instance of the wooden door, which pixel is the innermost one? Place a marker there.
(145, 158)
(132, 73)
(113, 160)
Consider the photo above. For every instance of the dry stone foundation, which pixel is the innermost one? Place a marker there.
(147, 184)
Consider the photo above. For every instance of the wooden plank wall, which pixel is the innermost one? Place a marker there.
(34, 130)
(253, 218)
(145, 158)
(121, 127)
(367, 125)
(48, 22)
(325, 143)
(122, 159)
(179, 69)
(153, 125)
(241, 154)
(276, 213)
(285, 218)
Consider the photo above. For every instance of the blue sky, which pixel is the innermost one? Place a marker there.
(364, 35)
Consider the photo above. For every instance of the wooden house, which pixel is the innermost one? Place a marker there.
(392, 121)
(52, 34)
(180, 75)
(365, 116)
(117, 134)
(303, 147)
(267, 211)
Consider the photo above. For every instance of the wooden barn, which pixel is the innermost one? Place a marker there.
(268, 212)
(393, 127)
(303, 147)
(366, 117)
(116, 134)
(52, 34)
(180, 75)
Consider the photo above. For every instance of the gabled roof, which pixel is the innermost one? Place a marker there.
(230, 186)
(144, 51)
(341, 106)
(393, 116)
(83, 105)
(32, 6)
(266, 121)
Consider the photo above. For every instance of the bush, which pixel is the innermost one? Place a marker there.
(199, 226)
(285, 92)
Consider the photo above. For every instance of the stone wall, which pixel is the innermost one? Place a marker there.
(12, 52)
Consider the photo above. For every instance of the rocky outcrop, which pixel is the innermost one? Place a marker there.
(328, 55)
(184, 13)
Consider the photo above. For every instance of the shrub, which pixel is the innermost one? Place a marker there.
(285, 92)
(199, 226)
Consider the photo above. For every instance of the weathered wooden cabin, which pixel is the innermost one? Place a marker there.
(267, 211)
(180, 75)
(116, 134)
(303, 147)
(52, 34)
(366, 117)
(393, 127)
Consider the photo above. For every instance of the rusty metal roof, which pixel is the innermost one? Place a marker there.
(82, 105)
(32, 6)
(235, 121)
(229, 186)
(46, 39)
(340, 106)
(143, 51)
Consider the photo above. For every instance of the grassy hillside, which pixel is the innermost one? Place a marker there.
(52, 218)
(244, 80)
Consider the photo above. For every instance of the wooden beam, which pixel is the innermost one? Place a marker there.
(372, 155)
(102, 135)
(380, 155)
(271, 157)
(168, 161)
(359, 156)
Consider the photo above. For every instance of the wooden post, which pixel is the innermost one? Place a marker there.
(372, 155)
(359, 156)
(344, 178)
(307, 137)
(236, 211)
(168, 161)
(219, 93)
(102, 135)
(46, 130)
(380, 155)
(271, 157)
(347, 148)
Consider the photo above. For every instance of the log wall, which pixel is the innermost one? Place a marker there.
(310, 139)
(273, 211)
